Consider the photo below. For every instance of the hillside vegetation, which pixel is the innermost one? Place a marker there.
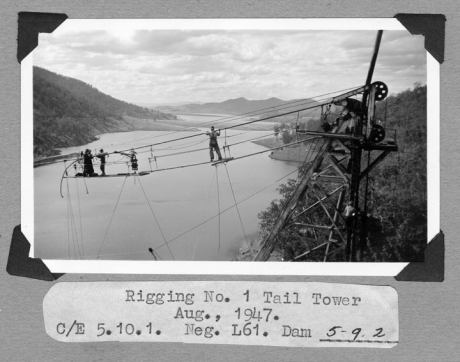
(69, 112)
(397, 199)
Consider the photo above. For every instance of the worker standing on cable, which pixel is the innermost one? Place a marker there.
(213, 145)
(102, 155)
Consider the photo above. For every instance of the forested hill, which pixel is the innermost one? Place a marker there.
(69, 112)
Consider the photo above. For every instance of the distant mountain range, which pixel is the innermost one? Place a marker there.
(69, 112)
(169, 104)
(240, 106)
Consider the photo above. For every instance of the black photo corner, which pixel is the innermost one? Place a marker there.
(431, 26)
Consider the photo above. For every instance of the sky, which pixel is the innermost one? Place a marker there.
(156, 62)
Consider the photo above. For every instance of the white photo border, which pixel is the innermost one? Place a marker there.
(232, 267)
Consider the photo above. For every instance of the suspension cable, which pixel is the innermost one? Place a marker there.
(236, 158)
(251, 113)
(226, 119)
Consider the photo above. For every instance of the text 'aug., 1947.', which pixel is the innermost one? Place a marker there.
(253, 313)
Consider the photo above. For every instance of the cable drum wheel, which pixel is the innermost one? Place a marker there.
(381, 91)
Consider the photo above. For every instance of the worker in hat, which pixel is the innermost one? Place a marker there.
(132, 159)
(102, 155)
(88, 169)
(213, 145)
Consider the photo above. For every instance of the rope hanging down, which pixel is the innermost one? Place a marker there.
(72, 226)
(154, 216)
(79, 215)
(236, 205)
(218, 204)
(204, 215)
(111, 218)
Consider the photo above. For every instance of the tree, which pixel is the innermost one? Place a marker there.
(276, 129)
(287, 136)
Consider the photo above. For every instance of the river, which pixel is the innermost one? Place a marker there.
(173, 212)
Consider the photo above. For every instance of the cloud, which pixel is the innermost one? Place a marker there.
(206, 65)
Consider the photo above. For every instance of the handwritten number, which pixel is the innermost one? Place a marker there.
(356, 332)
(379, 330)
(333, 331)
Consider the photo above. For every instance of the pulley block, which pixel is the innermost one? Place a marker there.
(377, 134)
(381, 91)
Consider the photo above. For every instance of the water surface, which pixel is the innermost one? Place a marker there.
(121, 218)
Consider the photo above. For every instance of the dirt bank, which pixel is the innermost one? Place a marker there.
(249, 253)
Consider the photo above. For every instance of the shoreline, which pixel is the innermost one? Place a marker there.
(289, 154)
(57, 153)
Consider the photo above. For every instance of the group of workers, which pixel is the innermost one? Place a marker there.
(87, 158)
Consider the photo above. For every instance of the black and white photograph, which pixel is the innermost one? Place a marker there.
(253, 180)
(229, 141)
